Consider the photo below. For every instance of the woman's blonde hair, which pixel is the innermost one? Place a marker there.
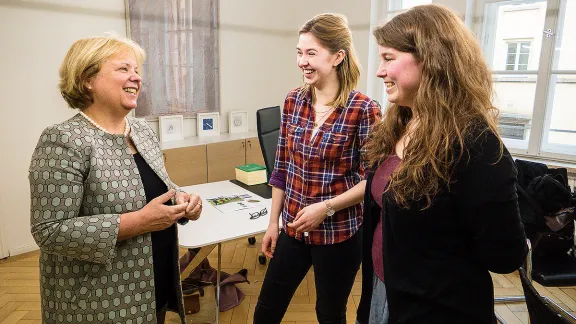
(84, 60)
(333, 33)
(452, 105)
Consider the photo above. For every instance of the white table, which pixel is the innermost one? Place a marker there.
(215, 227)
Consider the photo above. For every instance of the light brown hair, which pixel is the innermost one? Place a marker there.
(453, 102)
(84, 60)
(333, 33)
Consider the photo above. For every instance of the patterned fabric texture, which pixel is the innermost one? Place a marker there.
(81, 180)
(311, 169)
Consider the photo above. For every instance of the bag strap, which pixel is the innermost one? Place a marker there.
(190, 286)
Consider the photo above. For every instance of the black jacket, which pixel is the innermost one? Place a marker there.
(436, 261)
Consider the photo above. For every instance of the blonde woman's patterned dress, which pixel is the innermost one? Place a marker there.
(81, 180)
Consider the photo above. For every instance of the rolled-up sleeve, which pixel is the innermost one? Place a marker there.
(371, 116)
(56, 174)
(278, 176)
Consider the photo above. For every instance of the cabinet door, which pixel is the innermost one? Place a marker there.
(187, 165)
(253, 151)
(223, 158)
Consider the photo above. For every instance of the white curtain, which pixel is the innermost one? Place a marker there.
(180, 75)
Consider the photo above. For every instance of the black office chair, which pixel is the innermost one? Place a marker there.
(551, 266)
(541, 309)
(549, 271)
(268, 127)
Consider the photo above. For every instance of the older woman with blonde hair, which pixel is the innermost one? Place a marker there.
(101, 208)
(441, 209)
(317, 178)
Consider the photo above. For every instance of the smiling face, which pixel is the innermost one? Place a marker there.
(317, 64)
(117, 84)
(401, 73)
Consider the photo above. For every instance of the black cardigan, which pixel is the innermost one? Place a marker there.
(436, 261)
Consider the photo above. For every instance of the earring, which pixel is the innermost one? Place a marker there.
(89, 88)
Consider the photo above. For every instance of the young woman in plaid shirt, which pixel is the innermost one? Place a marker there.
(317, 177)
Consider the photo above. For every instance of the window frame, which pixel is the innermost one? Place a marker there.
(542, 107)
(517, 52)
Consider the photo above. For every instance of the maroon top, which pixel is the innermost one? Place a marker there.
(379, 184)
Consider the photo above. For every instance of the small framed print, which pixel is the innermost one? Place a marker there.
(171, 128)
(238, 122)
(208, 124)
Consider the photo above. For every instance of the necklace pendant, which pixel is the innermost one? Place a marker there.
(315, 125)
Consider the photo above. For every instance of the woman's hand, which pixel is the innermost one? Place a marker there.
(269, 240)
(309, 217)
(194, 208)
(159, 216)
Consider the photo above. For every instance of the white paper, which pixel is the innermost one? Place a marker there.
(235, 202)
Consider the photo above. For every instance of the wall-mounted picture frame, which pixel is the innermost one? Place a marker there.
(171, 128)
(208, 124)
(238, 122)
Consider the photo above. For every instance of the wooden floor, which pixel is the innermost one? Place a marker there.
(20, 299)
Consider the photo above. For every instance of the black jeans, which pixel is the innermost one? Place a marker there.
(335, 267)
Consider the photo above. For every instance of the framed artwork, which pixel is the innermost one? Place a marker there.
(238, 122)
(208, 124)
(171, 128)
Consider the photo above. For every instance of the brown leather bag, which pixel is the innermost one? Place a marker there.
(201, 281)
(199, 296)
(199, 301)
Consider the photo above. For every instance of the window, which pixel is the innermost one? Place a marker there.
(394, 5)
(180, 75)
(517, 56)
(530, 46)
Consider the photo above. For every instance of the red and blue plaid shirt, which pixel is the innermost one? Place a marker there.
(312, 169)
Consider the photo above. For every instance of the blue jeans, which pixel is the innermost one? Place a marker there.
(379, 303)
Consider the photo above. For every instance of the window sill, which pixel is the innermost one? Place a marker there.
(570, 166)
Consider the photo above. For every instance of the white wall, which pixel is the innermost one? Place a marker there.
(258, 68)
(258, 51)
(35, 37)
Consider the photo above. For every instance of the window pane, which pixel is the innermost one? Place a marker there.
(511, 59)
(565, 47)
(560, 125)
(405, 4)
(560, 128)
(523, 59)
(522, 67)
(515, 99)
(510, 67)
(513, 27)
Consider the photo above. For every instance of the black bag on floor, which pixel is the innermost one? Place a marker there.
(546, 207)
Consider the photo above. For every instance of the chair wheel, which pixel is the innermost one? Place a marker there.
(262, 259)
(252, 240)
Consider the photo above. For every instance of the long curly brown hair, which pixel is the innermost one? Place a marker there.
(452, 102)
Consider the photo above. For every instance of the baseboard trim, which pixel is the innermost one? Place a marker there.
(23, 249)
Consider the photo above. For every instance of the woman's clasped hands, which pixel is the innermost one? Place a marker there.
(161, 216)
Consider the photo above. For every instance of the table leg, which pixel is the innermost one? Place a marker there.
(218, 282)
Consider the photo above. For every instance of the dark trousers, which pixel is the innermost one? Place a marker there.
(161, 314)
(335, 267)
